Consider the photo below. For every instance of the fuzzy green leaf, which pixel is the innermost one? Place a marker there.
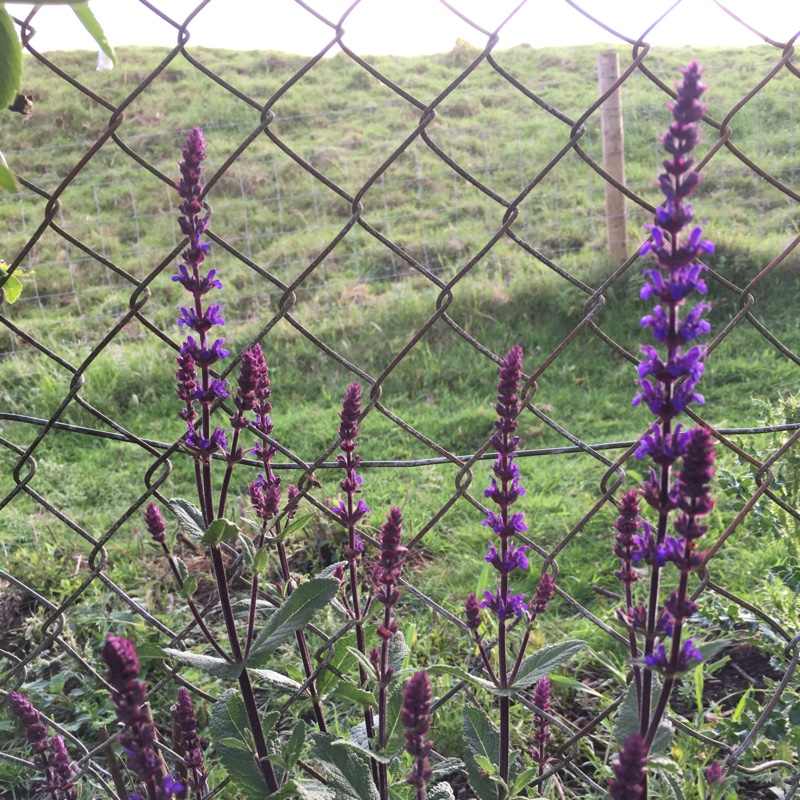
(89, 21)
(347, 770)
(10, 59)
(627, 721)
(341, 660)
(295, 612)
(441, 791)
(228, 721)
(220, 530)
(295, 525)
(190, 518)
(217, 667)
(275, 680)
(398, 650)
(345, 690)
(248, 550)
(260, 560)
(189, 586)
(545, 661)
(294, 747)
(481, 738)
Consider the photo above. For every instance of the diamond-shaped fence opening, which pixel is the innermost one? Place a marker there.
(307, 225)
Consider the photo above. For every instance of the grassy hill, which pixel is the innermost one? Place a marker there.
(365, 302)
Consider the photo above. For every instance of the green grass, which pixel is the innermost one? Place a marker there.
(443, 388)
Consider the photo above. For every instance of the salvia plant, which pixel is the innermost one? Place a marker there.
(351, 718)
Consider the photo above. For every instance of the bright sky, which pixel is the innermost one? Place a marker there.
(406, 27)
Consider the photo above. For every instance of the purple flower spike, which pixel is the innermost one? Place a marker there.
(156, 526)
(190, 743)
(630, 770)
(253, 383)
(139, 734)
(544, 594)
(715, 773)
(473, 613)
(386, 574)
(61, 785)
(514, 557)
(416, 717)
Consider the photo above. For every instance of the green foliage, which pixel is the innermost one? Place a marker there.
(482, 752)
(295, 612)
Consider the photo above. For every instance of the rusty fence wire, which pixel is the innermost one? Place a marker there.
(296, 278)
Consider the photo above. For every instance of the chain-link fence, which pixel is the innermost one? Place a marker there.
(423, 155)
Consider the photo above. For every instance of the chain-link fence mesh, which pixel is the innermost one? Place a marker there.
(345, 212)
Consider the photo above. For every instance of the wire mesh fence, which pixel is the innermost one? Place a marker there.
(438, 203)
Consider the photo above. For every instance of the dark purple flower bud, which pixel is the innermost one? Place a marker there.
(253, 383)
(352, 553)
(190, 743)
(627, 525)
(679, 608)
(416, 717)
(61, 783)
(123, 663)
(695, 476)
(507, 406)
(473, 613)
(156, 526)
(35, 729)
(544, 594)
(504, 607)
(541, 725)
(630, 770)
(514, 557)
(715, 774)
(386, 574)
(351, 410)
(187, 385)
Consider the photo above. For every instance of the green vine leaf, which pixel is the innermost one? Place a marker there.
(10, 59)
(89, 21)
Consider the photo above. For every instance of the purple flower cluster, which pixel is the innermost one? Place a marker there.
(386, 574)
(50, 755)
(630, 773)
(416, 717)
(541, 725)
(504, 491)
(190, 743)
(139, 733)
(197, 353)
(667, 386)
(348, 510)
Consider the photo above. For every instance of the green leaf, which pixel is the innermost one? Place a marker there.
(394, 720)
(295, 612)
(523, 779)
(341, 660)
(398, 650)
(347, 770)
(294, 747)
(190, 518)
(545, 661)
(236, 744)
(295, 525)
(627, 721)
(13, 285)
(181, 567)
(276, 680)
(363, 661)
(8, 181)
(710, 649)
(361, 749)
(89, 21)
(228, 721)
(330, 569)
(260, 560)
(345, 690)
(10, 59)
(447, 766)
(481, 738)
(241, 608)
(248, 550)
(441, 791)
(485, 764)
(461, 674)
(189, 586)
(217, 667)
(220, 530)
(288, 791)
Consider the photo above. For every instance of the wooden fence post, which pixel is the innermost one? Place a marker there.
(613, 157)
